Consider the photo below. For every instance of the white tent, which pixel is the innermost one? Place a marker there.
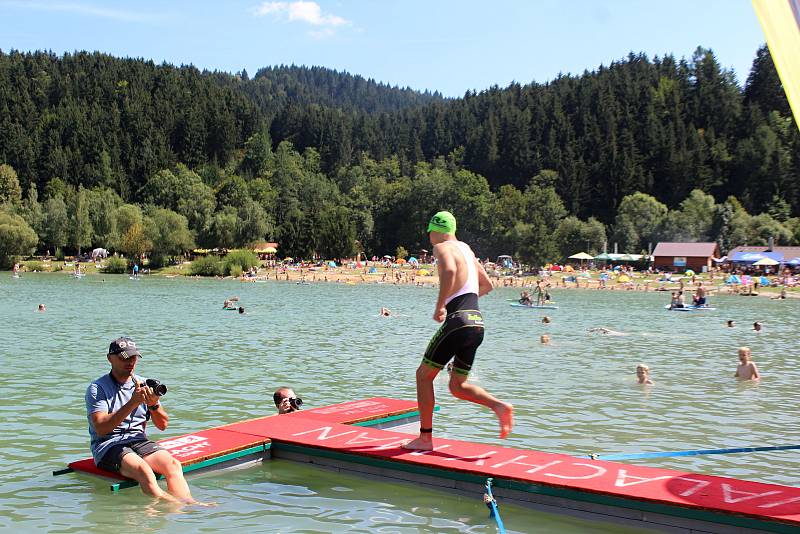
(99, 253)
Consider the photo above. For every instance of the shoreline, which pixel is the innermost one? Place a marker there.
(406, 276)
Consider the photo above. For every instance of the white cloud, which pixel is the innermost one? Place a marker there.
(303, 11)
(81, 9)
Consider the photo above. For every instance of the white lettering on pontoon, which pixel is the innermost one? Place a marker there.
(188, 450)
(480, 457)
(391, 445)
(324, 431)
(623, 476)
(727, 494)
(515, 461)
(600, 471)
(779, 503)
(422, 453)
(364, 437)
(184, 440)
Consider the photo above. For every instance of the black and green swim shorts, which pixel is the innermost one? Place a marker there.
(458, 338)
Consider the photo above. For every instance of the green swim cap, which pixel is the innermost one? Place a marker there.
(443, 222)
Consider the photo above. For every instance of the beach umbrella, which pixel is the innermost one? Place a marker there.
(581, 256)
(690, 272)
(99, 253)
(412, 259)
(288, 258)
(331, 264)
(763, 262)
(733, 279)
(400, 261)
(626, 257)
(604, 256)
(794, 261)
(423, 272)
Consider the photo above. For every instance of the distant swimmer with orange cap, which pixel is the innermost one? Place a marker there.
(461, 281)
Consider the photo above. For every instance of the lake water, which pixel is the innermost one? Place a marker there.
(575, 396)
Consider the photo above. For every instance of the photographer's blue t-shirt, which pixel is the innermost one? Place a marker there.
(107, 395)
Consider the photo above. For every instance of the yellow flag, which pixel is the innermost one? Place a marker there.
(780, 20)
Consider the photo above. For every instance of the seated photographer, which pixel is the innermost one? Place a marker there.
(286, 401)
(118, 406)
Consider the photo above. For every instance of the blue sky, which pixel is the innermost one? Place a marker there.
(446, 45)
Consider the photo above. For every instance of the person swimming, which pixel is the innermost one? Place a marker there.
(643, 374)
(546, 319)
(757, 326)
(730, 323)
(385, 312)
(606, 331)
(42, 308)
(747, 369)
(544, 339)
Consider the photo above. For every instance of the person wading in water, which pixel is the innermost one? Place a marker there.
(461, 281)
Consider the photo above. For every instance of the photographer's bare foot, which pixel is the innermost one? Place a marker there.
(420, 444)
(505, 413)
(198, 503)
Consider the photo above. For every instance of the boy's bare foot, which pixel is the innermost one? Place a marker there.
(505, 413)
(422, 443)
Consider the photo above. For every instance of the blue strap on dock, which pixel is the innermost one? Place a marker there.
(488, 498)
(696, 452)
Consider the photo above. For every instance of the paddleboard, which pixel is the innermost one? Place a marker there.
(135, 277)
(230, 309)
(543, 307)
(690, 308)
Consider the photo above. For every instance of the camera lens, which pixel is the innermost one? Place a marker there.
(157, 387)
(296, 403)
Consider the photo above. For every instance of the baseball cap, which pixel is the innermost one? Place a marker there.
(125, 347)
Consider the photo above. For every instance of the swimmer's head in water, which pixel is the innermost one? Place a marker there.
(546, 319)
(443, 222)
(545, 339)
(642, 369)
(745, 355)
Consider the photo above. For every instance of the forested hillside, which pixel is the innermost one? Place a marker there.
(328, 163)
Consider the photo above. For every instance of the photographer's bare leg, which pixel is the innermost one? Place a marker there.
(135, 467)
(164, 463)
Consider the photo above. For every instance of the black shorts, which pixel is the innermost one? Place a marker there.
(112, 459)
(458, 339)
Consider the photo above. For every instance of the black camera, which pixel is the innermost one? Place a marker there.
(296, 403)
(159, 388)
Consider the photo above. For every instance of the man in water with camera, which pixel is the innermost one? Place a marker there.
(118, 406)
(462, 280)
(286, 401)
